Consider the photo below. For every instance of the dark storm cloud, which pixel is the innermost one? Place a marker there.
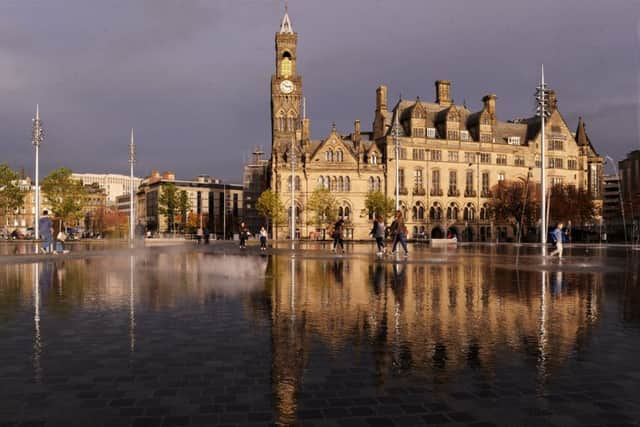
(192, 76)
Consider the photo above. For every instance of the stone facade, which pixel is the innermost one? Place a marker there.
(449, 157)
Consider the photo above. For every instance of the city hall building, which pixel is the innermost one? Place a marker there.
(449, 158)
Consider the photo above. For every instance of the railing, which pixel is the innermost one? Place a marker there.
(453, 192)
(486, 193)
(419, 191)
(436, 192)
(470, 193)
(403, 191)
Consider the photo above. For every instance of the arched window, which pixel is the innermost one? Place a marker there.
(340, 212)
(420, 212)
(327, 180)
(289, 183)
(484, 212)
(285, 65)
(280, 121)
(339, 156)
(373, 159)
(321, 182)
(329, 156)
(340, 184)
(347, 213)
(347, 184)
(297, 183)
(378, 187)
(414, 212)
(452, 211)
(469, 212)
(371, 184)
(334, 184)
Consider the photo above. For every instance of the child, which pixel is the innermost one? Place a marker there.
(263, 239)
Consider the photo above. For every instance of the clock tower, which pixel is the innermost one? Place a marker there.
(286, 90)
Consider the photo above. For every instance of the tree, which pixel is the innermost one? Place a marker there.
(324, 206)
(65, 195)
(516, 202)
(11, 197)
(270, 207)
(183, 207)
(377, 204)
(568, 203)
(168, 204)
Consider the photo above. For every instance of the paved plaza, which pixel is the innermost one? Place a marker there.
(188, 335)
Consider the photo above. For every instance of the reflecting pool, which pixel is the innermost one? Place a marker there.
(192, 337)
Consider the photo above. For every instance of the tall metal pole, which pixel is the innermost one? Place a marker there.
(292, 159)
(542, 101)
(132, 212)
(396, 131)
(37, 136)
(224, 212)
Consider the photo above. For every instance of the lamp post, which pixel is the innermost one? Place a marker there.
(624, 222)
(37, 136)
(132, 212)
(542, 97)
(396, 134)
(292, 159)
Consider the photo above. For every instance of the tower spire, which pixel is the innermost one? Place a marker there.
(286, 27)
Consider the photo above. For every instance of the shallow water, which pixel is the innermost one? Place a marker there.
(194, 338)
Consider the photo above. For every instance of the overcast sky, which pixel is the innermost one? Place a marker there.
(192, 76)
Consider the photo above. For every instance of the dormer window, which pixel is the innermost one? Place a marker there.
(373, 159)
(513, 140)
(464, 135)
(418, 132)
(431, 132)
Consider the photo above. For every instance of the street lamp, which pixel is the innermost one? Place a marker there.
(624, 222)
(292, 159)
(132, 213)
(542, 97)
(37, 136)
(396, 134)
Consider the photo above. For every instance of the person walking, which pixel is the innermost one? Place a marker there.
(263, 239)
(244, 235)
(558, 235)
(337, 235)
(46, 230)
(378, 233)
(60, 236)
(399, 231)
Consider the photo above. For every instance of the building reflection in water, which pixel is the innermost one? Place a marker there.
(430, 320)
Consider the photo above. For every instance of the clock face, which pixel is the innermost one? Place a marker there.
(287, 86)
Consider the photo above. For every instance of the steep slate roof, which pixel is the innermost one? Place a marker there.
(582, 138)
(506, 129)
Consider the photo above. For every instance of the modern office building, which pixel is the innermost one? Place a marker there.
(114, 184)
(217, 206)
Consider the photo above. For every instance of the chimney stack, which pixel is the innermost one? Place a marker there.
(381, 98)
(553, 101)
(356, 131)
(443, 92)
(490, 106)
